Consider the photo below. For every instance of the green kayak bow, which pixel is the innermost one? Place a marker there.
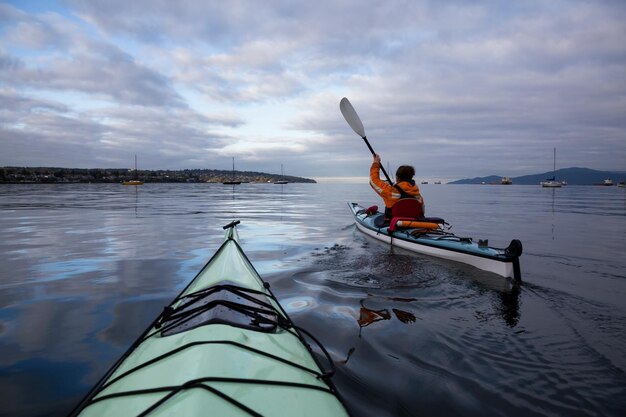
(223, 347)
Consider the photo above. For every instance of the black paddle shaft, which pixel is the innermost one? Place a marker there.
(381, 165)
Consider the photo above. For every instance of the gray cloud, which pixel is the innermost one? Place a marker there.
(458, 89)
(116, 77)
(70, 60)
(35, 132)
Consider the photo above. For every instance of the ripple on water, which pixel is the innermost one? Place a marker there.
(299, 304)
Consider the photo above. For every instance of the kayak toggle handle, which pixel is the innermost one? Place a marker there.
(514, 248)
(231, 224)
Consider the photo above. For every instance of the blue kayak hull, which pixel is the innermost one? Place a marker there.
(504, 262)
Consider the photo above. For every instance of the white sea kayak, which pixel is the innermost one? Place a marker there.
(223, 347)
(436, 242)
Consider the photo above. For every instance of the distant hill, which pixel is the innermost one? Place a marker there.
(573, 176)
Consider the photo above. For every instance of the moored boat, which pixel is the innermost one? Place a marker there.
(430, 239)
(552, 182)
(281, 181)
(135, 180)
(223, 347)
(232, 181)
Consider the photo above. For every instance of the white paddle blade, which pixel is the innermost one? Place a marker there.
(351, 117)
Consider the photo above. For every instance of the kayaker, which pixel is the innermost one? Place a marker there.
(404, 187)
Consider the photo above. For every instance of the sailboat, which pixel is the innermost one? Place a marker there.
(281, 181)
(135, 180)
(232, 181)
(552, 182)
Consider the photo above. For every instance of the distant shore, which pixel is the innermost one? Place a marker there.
(45, 175)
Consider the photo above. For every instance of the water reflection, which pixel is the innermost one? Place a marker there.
(369, 316)
(80, 277)
(136, 201)
(505, 294)
(552, 206)
(509, 307)
(410, 278)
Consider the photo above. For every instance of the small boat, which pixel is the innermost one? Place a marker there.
(608, 182)
(232, 181)
(281, 181)
(621, 184)
(428, 238)
(135, 180)
(223, 347)
(437, 182)
(506, 181)
(424, 182)
(552, 182)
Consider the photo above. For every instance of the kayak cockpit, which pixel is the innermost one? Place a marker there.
(224, 303)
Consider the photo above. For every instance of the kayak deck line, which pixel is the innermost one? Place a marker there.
(225, 335)
(243, 314)
(443, 244)
(211, 342)
(200, 383)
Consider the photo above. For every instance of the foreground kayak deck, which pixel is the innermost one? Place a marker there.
(504, 262)
(223, 347)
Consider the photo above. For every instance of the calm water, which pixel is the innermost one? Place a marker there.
(85, 268)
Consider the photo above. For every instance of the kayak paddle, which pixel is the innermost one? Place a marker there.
(355, 123)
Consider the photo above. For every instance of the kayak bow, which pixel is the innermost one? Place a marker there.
(441, 244)
(224, 346)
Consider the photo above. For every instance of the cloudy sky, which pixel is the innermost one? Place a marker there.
(459, 89)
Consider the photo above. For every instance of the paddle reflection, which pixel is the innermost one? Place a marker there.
(369, 316)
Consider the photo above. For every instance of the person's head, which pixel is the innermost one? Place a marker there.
(405, 173)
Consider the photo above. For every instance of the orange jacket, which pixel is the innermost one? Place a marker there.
(389, 193)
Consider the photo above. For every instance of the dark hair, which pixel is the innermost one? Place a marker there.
(405, 173)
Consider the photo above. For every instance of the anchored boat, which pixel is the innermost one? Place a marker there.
(429, 238)
(223, 347)
(552, 182)
(135, 180)
(282, 179)
(232, 180)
